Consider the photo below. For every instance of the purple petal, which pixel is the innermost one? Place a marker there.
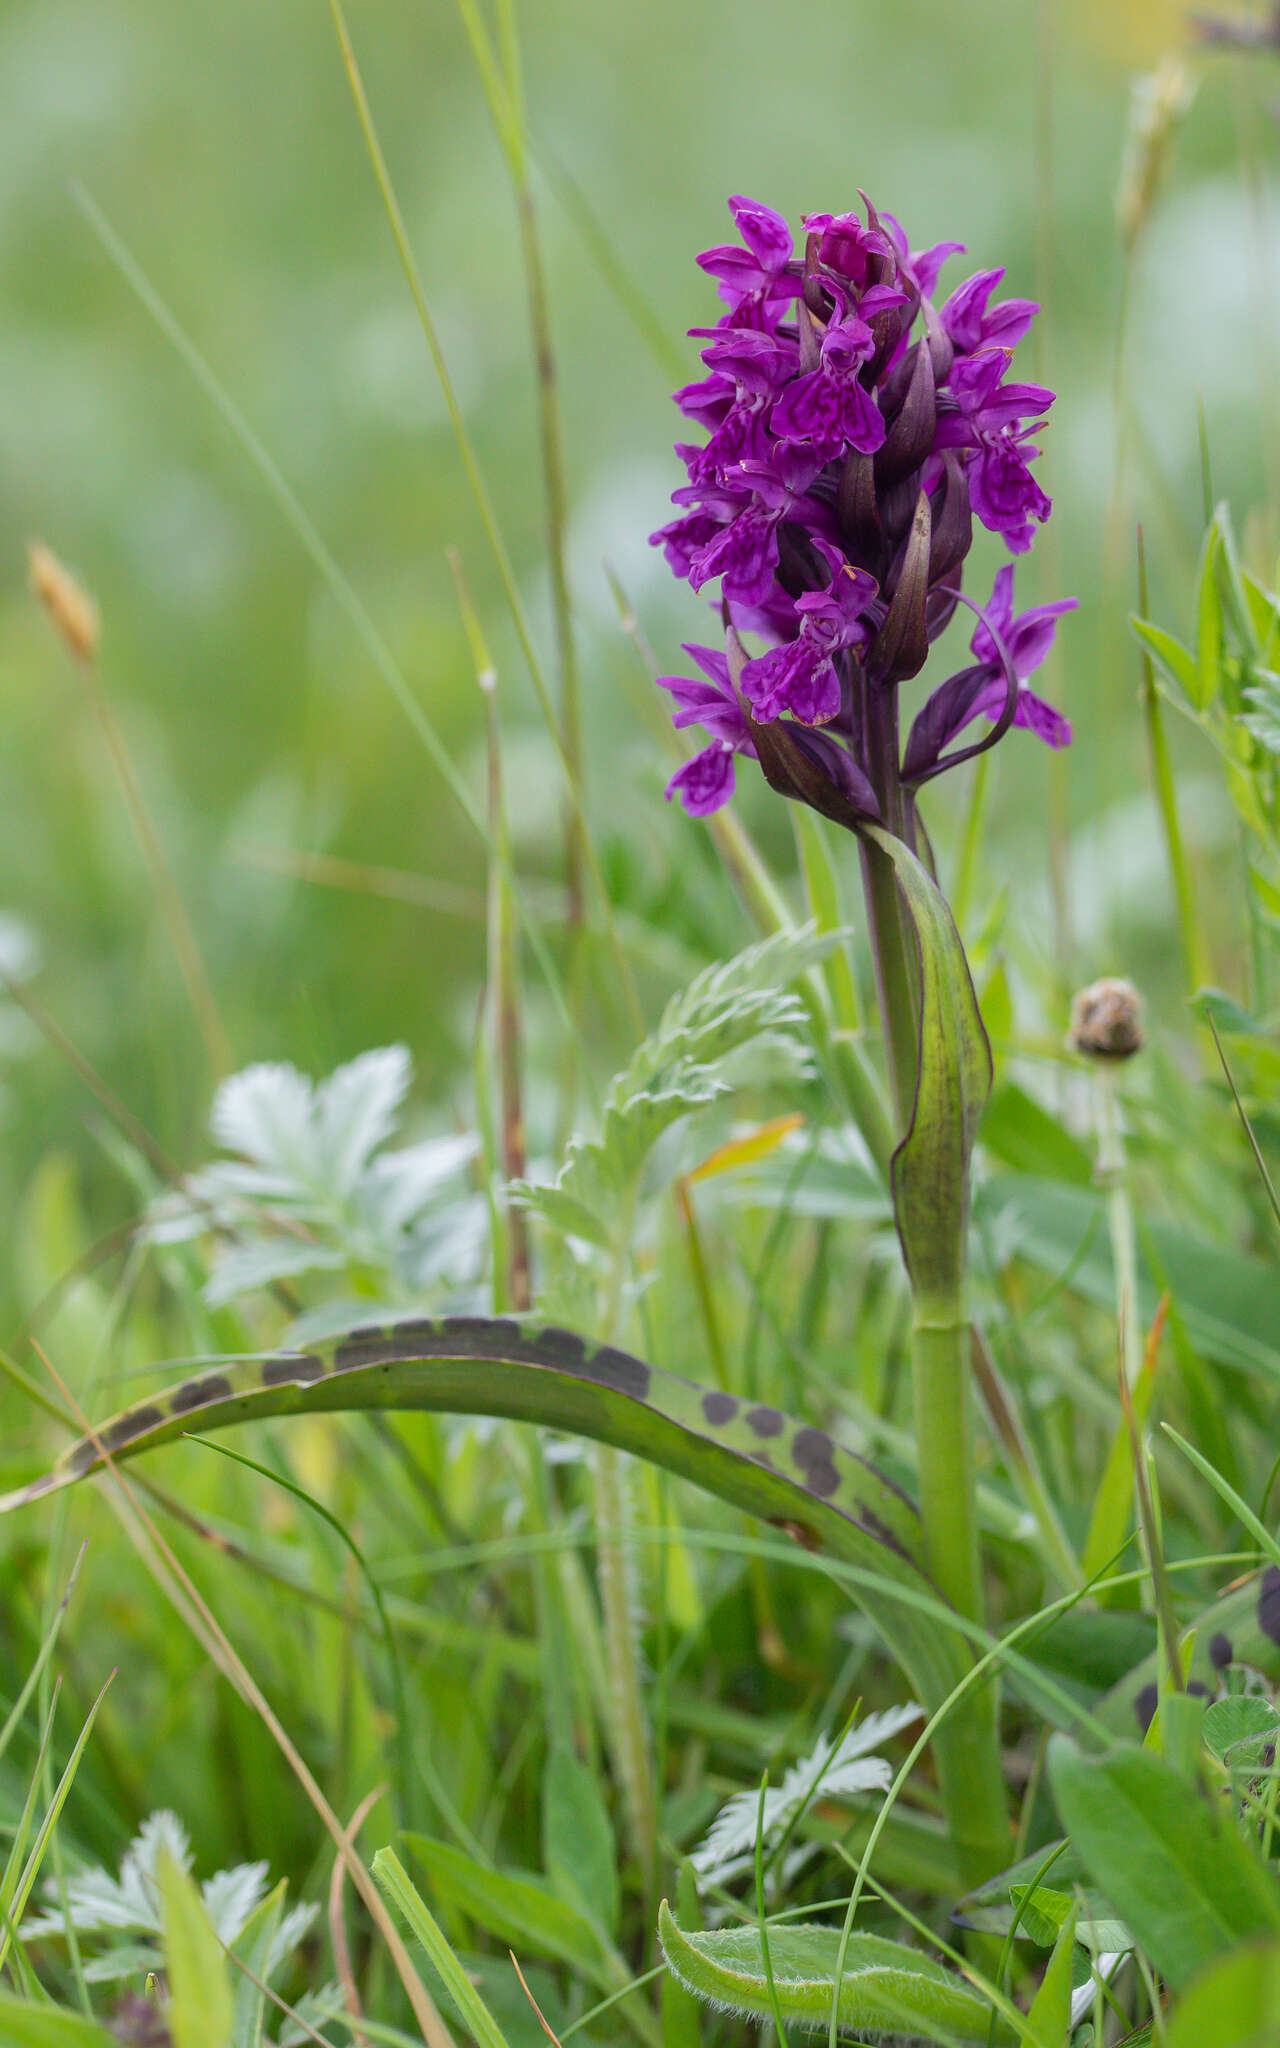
(765, 232)
(704, 783)
(1032, 713)
(798, 678)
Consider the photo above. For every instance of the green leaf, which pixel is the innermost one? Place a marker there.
(514, 1909)
(578, 1845)
(1022, 1134)
(200, 2008)
(1229, 1303)
(1239, 1729)
(1209, 620)
(681, 2013)
(931, 1165)
(1171, 657)
(1234, 2003)
(1045, 1912)
(404, 1896)
(1224, 1012)
(1171, 1865)
(532, 1372)
(883, 1986)
(47, 2026)
(1049, 2018)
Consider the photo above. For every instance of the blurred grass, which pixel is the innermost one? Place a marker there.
(223, 146)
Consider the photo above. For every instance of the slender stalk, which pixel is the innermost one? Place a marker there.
(892, 946)
(967, 1743)
(1112, 1175)
(1195, 952)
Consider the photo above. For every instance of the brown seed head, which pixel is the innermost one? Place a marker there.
(72, 610)
(1106, 1021)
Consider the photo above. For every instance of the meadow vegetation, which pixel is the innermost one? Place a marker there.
(751, 1322)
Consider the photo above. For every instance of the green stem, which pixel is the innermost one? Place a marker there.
(891, 949)
(967, 1743)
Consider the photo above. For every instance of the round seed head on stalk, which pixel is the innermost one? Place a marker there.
(1106, 1020)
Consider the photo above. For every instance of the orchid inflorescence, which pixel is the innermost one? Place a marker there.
(833, 500)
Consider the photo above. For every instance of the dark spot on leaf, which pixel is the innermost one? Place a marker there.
(764, 1421)
(1220, 1651)
(215, 1386)
(134, 1422)
(873, 1525)
(1199, 1691)
(814, 1452)
(368, 1347)
(82, 1455)
(295, 1365)
(799, 1532)
(562, 1349)
(719, 1408)
(481, 1332)
(617, 1369)
(1145, 1704)
(1269, 1603)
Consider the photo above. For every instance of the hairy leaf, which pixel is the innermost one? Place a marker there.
(883, 1985)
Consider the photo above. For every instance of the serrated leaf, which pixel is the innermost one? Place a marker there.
(1129, 1817)
(840, 1764)
(200, 2008)
(578, 1844)
(683, 1065)
(883, 1985)
(356, 1110)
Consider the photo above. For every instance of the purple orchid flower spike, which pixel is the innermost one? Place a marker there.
(853, 431)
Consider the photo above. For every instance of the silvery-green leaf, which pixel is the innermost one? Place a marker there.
(265, 1113)
(356, 1110)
